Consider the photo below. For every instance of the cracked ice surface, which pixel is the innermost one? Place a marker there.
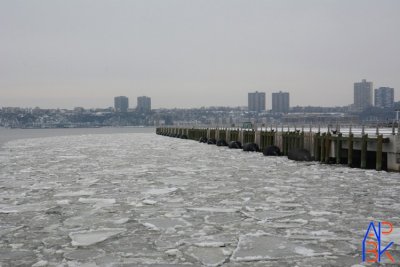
(147, 200)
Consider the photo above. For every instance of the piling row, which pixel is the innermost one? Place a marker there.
(326, 147)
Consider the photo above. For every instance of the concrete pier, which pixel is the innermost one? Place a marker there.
(357, 149)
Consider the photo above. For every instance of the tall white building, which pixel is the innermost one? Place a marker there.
(384, 97)
(363, 95)
(256, 101)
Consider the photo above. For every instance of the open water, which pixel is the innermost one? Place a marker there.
(138, 199)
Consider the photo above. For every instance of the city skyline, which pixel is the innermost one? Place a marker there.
(385, 94)
(202, 53)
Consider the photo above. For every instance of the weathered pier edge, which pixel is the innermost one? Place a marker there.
(354, 150)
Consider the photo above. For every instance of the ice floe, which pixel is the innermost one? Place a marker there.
(211, 257)
(161, 191)
(165, 223)
(211, 244)
(255, 247)
(41, 263)
(90, 237)
(75, 193)
(98, 202)
(8, 209)
(149, 202)
(215, 209)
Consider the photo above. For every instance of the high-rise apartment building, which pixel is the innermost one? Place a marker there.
(384, 97)
(280, 102)
(362, 95)
(143, 104)
(121, 103)
(256, 101)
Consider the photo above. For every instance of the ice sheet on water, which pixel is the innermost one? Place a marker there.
(208, 256)
(80, 264)
(174, 252)
(42, 186)
(8, 208)
(41, 263)
(161, 191)
(324, 233)
(211, 244)
(88, 182)
(42, 206)
(165, 223)
(149, 202)
(90, 237)
(304, 251)
(266, 215)
(286, 224)
(84, 254)
(151, 226)
(179, 169)
(319, 213)
(119, 220)
(63, 202)
(254, 247)
(75, 193)
(6, 229)
(98, 202)
(215, 209)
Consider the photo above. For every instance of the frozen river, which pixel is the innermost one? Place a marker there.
(137, 199)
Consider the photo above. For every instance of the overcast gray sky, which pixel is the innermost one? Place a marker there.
(192, 53)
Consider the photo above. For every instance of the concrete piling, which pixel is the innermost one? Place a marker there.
(323, 147)
(327, 147)
(317, 146)
(350, 150)
(364, 145)
(379, 144)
